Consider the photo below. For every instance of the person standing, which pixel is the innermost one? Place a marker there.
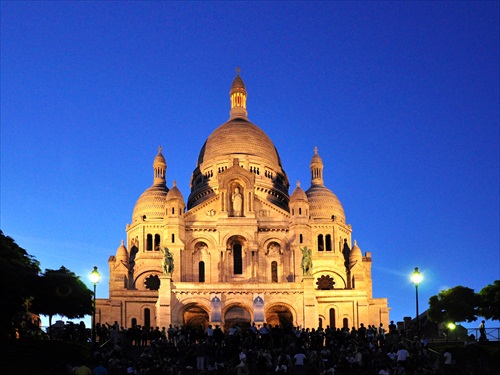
(482, 332)
(402, 356)
(447, 361)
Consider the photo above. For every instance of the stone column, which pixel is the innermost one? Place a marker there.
(310, 303)
(163, 308)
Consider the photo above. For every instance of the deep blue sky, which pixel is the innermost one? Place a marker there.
(401, 99)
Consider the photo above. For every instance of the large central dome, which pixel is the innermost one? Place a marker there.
(239, 137)
(244, 143)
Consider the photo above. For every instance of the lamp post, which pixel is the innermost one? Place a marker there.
(416, 278)
(95, 276)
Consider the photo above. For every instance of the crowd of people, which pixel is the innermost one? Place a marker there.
(262, 350)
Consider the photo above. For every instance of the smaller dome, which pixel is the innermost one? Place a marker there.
(355, 255)
(324, 203)
(122, 253)
(151, 203)
(175, 193)
(298, 194)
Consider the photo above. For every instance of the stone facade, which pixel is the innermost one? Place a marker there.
(243, 250)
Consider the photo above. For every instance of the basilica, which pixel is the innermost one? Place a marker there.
(241, 249)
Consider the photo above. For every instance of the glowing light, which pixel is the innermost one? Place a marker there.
(95, 276)
(416, 277)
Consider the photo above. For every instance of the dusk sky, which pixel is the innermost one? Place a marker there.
(401, 98)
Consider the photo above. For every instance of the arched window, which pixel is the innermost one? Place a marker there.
(301, 238)
(134, 322)
(237, 259)
(328, 242)
(201, 272)
(345, 323)
(321, 244)
(173, 237)
(332, 319)
(300, 211)
(320, 323)
(149, 242)
(147, 318)
(157, 242)
(173, 210)
(274, 272)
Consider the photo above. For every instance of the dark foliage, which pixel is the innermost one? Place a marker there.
(19, 271)
(458, 304)
(490, 301)
(61, 292)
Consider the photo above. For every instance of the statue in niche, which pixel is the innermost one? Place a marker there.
(167, 262)
(273, 249)
(237, 201)
(201, 247)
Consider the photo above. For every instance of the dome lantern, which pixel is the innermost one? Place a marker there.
(160, 167)
(238, 97)
(316, 168)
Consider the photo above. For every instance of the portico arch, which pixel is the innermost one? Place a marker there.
(280, 314)
(194, 316)
(237, 314)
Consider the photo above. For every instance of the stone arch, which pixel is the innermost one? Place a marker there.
(209, 240)
(274, 237)
(237, 313)
(246, 237)
(147, 315)
(178, 308)
(340, 281)
(322, 322)
(195, 315)
(192, 256)
(140, 278)
(272, 249)
(333, 315)
(281, 314)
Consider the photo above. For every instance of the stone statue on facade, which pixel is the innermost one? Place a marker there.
(306, 261)
(167, 262)
(237, 202)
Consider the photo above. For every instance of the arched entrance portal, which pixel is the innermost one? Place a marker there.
(194, 316)
(237, 315)
(279, 315)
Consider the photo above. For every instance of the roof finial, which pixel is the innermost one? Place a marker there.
(315, 150)
(159, 149)
(238, 70)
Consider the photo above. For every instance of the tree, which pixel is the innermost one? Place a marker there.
(490, 301)
(61, 292)
(19, 271)
(458, 304)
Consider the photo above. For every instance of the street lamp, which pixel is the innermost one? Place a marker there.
(416, 278)
(95, 276)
